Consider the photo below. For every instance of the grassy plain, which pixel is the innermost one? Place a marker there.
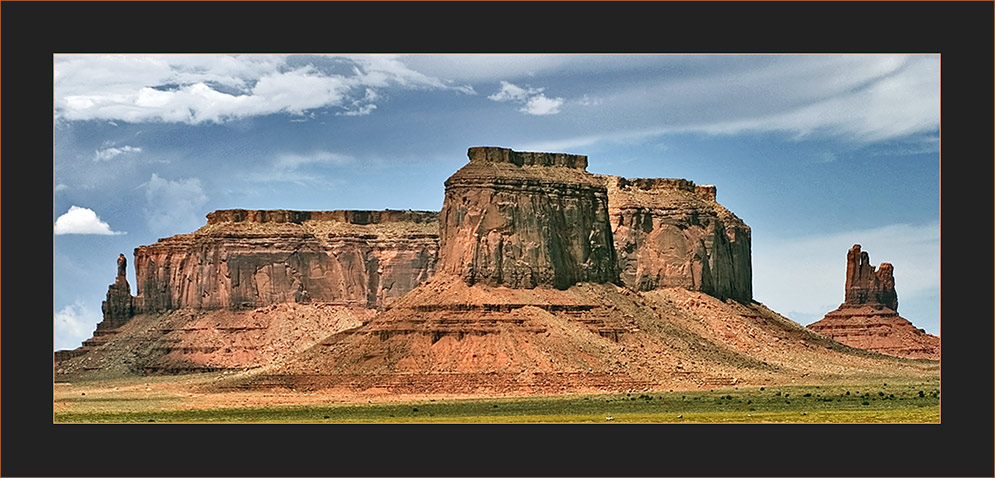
(916, 402)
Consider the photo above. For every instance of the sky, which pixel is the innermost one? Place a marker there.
(814, 152)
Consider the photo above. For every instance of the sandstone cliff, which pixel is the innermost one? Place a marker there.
(868, 317)
(523, 220)
(525, 301)
(245, 259)
(673, 233)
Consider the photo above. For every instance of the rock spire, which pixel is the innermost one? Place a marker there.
(119, 306)
(864, 285)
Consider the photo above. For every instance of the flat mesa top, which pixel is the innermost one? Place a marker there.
(493, 154)
(357, 217)
(261, 223)
(493, 165)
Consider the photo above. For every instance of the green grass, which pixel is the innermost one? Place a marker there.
(881, 403)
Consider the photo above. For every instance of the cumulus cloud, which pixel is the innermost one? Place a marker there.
(73, 324)
(174, 206)
(108, 153)
(80, 220)
(195, 89)
(540, 105)
(532, 99)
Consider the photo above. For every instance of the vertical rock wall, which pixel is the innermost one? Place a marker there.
(525, 220)
(672, 233)
(245, 259)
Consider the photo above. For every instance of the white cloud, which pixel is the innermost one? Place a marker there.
(73, 324)
(540, 105)
(532, 99)
(806, 275)
(61, 187)
(108, 153)
(80, 220)
(362, 106)
(215, 88)
(174, 206)
(510, 92)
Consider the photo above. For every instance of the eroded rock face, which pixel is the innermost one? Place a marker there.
(672, 233)
(868, 317)
(245, 259)
(119, 306)
(864, 285)
(525, 220)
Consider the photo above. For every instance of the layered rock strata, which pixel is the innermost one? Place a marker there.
(190, 341)
(868, 317)
(525, 298)
(244, 259)
(673, 233)
(524, 220)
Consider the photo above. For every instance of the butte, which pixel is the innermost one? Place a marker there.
(868, 317)
(551, 279)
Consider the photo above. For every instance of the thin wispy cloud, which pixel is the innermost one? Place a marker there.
(300, 168)
(81, 220)
(112, 152)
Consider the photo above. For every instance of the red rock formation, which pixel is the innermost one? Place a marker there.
(118, 308)
(245, 259)
(672, 233)
(868, 317)
(864, 285)
(185, 341)
(524, 220)
(523, 299)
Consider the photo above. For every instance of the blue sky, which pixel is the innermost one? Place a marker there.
(814, 152)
